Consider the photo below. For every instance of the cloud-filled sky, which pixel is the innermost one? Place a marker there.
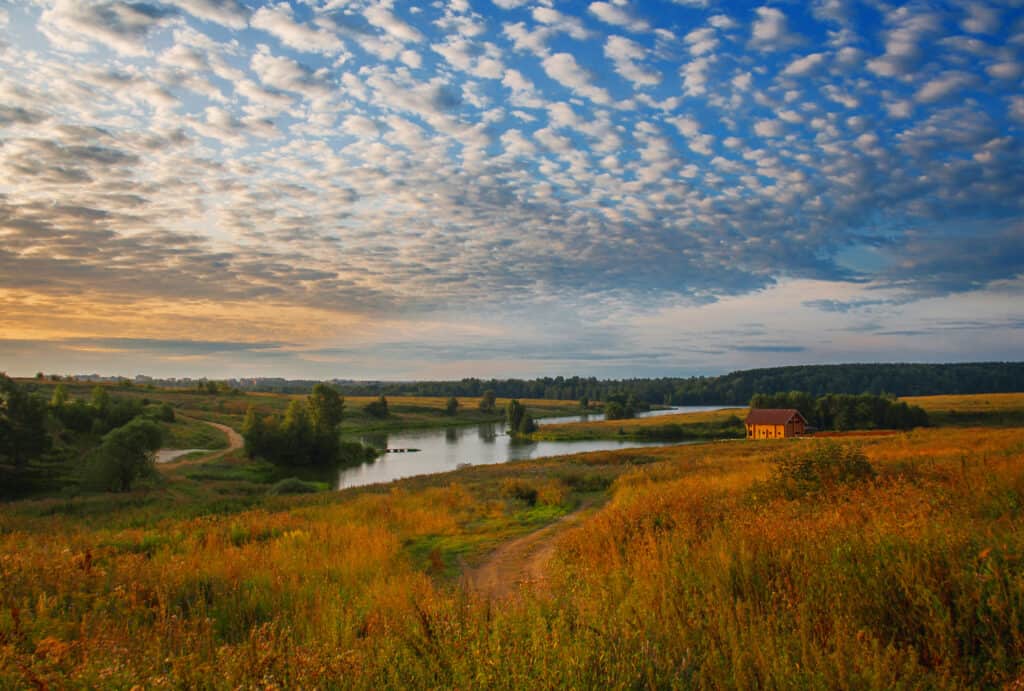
(375, 189)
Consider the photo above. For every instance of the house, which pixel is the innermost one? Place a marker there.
(775, 423)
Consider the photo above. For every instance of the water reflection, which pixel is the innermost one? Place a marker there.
(441, 450)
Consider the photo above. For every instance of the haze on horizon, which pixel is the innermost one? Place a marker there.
(370, 189)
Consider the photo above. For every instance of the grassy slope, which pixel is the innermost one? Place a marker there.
(699, 424)
(688, 576)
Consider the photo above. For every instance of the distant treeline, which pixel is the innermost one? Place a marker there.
(846, 411)
(734, 388)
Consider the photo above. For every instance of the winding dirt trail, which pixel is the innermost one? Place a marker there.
(235, 442)
(522, 561)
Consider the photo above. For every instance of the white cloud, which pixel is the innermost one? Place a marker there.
(805, 65)
(768, 128)
(123, 26)
(563, 68)
(227, 13)
(980, 19)
(625, 54)
(945, 85)
(701, 41)
(279, 22)
(615, 15)
(771, 30)
(561, 22)
(383, 18)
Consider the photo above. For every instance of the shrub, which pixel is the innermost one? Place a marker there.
(822, 467)
(521, 490)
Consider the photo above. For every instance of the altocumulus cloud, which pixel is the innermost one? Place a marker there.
(374, 158)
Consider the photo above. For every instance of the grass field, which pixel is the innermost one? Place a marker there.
(698, 423)
(1003, 409)
(694, 573)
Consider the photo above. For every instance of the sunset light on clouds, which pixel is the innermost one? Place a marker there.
(368, 189)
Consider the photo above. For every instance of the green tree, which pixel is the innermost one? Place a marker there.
(23, 432)
(60, 397)
(585, 403)
(297, 434)
(487, 402)
(378, 408)
(100, 400)
(327, 408)
(451, 407)
(254, 433)
(125, 455)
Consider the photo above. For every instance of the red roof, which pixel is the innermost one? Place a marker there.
(773, 416)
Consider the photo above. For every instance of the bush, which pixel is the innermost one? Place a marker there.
(521, 490)
(293, 485)
(822, 467)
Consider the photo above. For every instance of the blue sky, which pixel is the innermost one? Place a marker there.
(370, 189)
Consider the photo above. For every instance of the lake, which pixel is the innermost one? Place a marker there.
(441, 450)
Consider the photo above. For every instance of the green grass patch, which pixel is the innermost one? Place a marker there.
(193, 434)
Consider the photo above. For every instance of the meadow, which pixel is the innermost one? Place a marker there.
(704, 566)
(706, 424)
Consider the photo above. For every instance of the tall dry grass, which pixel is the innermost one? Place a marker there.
(695, 573)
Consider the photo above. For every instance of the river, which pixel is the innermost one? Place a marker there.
(441, 450)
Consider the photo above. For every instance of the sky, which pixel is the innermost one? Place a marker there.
(369, 189)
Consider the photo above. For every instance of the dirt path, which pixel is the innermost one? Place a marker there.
(521, 561)
(235, 442)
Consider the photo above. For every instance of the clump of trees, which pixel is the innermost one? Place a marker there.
(622, 406)
(451, 406)
(24, 435)
(847, 411)
(378, 408)
(307, 435)
(488, 402)
(519, 421)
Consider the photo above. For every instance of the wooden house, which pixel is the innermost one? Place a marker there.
(775, 423)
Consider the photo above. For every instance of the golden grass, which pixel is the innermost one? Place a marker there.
(989, 402)
(655, 421)
(686, 578)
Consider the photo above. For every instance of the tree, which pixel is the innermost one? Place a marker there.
(327, 408)
(125, 455)
(519, 421)
(585, 403)
(451, 407)
(378, 408)
(254, 433)
(100, 400)
(23, 433)
(297, 434)
(60, 397)
(487, 402)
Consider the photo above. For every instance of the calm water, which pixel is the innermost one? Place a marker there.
(441, 450)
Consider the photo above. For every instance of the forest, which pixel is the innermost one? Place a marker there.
(897, 379)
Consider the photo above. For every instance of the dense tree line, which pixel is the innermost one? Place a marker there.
(846, 411)
(308, 434)
(898, 379)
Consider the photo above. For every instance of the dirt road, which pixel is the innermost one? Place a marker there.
(521, 561)
(235, 441)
